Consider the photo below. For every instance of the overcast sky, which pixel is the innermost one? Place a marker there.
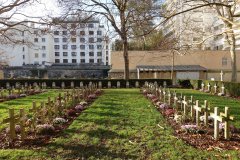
(47, 7)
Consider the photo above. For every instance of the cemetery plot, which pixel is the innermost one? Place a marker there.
(45, 119)
(196, 121)
(19, 91)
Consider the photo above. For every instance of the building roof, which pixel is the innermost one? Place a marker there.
(169, 68)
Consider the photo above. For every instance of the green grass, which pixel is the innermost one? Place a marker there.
(216, 101)
(121, 124)
(25, 103)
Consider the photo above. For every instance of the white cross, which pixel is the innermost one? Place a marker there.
(217, 119)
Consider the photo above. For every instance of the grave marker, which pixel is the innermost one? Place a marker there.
(127, 84)
(137, 84)
(109, 84)
(206, 110)
(118, 84)
(226, 118)
(198, 110)
(217, 119)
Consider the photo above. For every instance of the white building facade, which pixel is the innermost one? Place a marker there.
(71, 42)
(198, 28)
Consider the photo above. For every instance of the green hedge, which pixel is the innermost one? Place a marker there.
(85, 82)
(231, 88)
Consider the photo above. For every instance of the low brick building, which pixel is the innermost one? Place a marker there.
(158, 64)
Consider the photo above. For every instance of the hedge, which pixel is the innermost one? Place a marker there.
(232, 88)
(85, 82)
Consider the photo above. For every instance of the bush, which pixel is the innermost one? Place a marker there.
(71, 113)
(45, 129)
(233, 88)
(59, 121)
(185, 83)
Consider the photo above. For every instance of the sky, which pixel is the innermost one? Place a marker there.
(46, 7)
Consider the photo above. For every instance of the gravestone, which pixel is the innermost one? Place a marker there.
(81, 84)
(53, 85)
(208, 87)
(127, 84)
(90, 84)
(118, 84)
(26, 84)
(100, 84)
(137, 84)
(223, 89)
(206, 110)
(217, 118)
(202, 86)
(164, 84)
(63, 85)
(109, 84)
(72, 84)
(7, 85)
(226, 118)
(198, 110)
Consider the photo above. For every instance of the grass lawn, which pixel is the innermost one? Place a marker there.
(216, 101)
(121, 124)
(25, 102)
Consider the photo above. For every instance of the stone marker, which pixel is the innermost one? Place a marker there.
(118, 84)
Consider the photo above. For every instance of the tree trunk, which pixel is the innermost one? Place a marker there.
(233, 57)
(126, 59)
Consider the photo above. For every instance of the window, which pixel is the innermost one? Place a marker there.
(57, 54)
(99, 46)
(107, 53)
(35, 39)
(44, 55)
(73, 33)
(91, 60)
(64, 40)
(36, 55)
(65, 46)
(56, 32)
(73, 47)
(91, 32)
(99, 60)
(91, 54)
(82, 53)
(91, 46)
(35, 32)
(82, 25)
(65, 60)
(82, 61)
(82, 46)
(57, 60)
(23, 49)
(82, 40)
(64, 33)
(82, 33)
(56, 40)
(73, 40)
(107, 58)
(22, 33)
(106, 46)
(224, 61)
(43, 47)
(99, 53)
(99, 40)
(91, 40)
(36, 62)
(43, 40)
(23, 56)
(90, 25)
(56, 46)
(64, 26)
(65, 54)
(74, 54)
(99, 32)
(73, 25)
(74, 61)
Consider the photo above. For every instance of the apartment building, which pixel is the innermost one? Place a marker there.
(193, 28)
(71, 43)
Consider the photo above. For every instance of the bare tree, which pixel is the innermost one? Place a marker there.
(227, 11)
(122, 15)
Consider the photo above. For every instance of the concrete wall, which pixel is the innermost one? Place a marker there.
(212, 60)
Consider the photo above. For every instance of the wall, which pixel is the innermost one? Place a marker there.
(212, 60)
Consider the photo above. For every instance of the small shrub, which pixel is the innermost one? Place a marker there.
(79, 108)
(59, 121)
(45, 129)
(185, 83)
(169, 112)
(71, 113)
(17, 129)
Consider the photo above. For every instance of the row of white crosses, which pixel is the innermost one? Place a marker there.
(222, 91)
(196, 110)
